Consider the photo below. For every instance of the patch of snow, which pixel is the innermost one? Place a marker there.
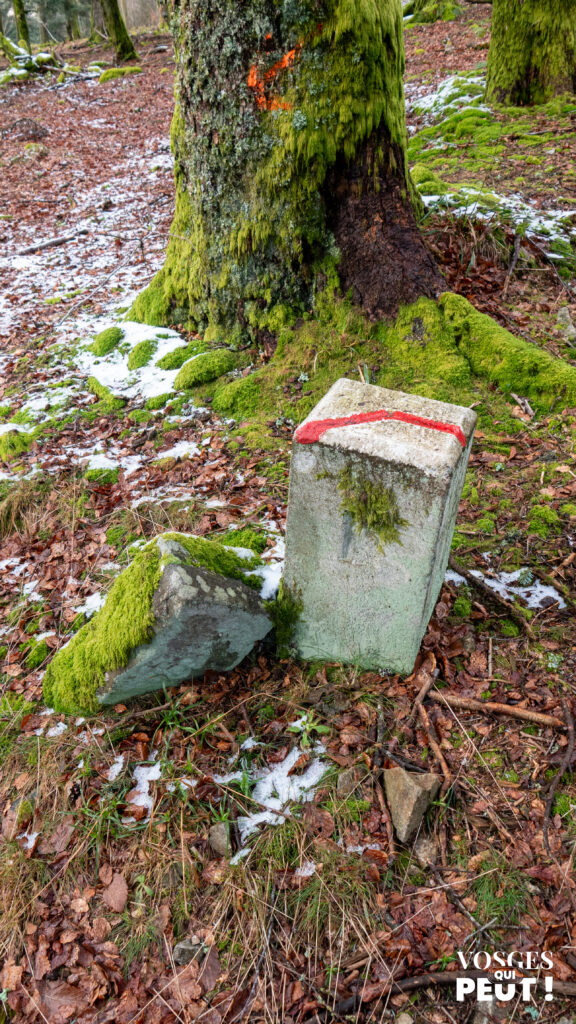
(183, 449)
(29, 590)
(115, 768)
(276, 788)
(143, 776)
(467, 201)
(453, 95)
(509, 585)
(91, 605)
(112, 370)
(271, 572)
(57, 729)
(250, 744)
(5, 428)
(30, 839)
(306, 869)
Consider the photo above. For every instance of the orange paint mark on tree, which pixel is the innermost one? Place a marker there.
(259, 83)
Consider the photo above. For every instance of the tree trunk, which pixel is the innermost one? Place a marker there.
(532, 54)
(72, 21)
(21, 23)
(290, 161)
(97, 26)
(117, 30)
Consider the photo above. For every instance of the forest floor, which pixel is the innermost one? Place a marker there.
(105, 857)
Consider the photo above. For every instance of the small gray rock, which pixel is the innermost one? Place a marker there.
(409, 796)
(166, 546)
(220, 839)
(187, 950)
(404, 1018)
(426, 850)
(566, 325)
(347, 782)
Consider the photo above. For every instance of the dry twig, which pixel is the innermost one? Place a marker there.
(470, 704)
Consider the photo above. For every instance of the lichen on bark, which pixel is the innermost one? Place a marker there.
(532, 54)
(289, 141)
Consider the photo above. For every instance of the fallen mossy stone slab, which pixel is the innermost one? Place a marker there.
(184, 605)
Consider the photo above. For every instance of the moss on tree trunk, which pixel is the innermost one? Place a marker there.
(21, 23)
(117, 30)
(289, 140)
(532, 54)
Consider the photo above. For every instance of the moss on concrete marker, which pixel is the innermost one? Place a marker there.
(370, 507)
(183, 605)
(375, 482)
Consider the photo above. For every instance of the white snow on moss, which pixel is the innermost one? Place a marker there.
(518, 584)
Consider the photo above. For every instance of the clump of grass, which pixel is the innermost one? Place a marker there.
(501, 892)
(18, 499)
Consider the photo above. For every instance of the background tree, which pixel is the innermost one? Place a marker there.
(532, 54)
(21, 23)
(71, 15)
(423, 11)
(290, 146)
(117, 31)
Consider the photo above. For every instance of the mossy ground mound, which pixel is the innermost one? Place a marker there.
(14, 443)
(207, 367)
(111, 73)
(445, 350)
(106, 341)
(142, 353)
(105, 643)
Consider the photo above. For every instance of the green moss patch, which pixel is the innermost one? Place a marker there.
(140, 416)
(159, 401)
(37, 654)
(444, 350)
(111, 73)
(425, 11)
(142, 354)
(105, 643)
(14, 443)
(371, 507)
(206, 367)
(107, 341)
(102, 476)
(175, 359)
(108, 403)
(246, 538)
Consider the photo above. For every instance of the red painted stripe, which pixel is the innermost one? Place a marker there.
(312, 431)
